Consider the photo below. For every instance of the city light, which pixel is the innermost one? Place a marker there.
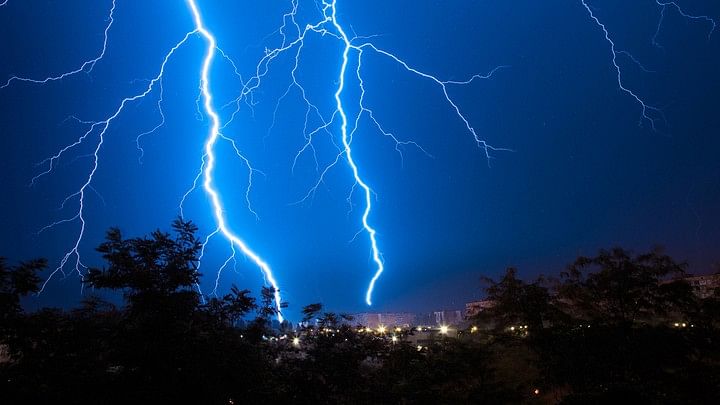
(296, 341)
(381, 329)
(444, 330)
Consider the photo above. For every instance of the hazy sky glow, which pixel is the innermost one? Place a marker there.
(586, 171)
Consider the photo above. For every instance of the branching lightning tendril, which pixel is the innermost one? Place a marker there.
(665, 4)
(647, 111)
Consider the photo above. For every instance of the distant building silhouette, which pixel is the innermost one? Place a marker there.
(704, 286)
(409, 319)
(391, 319)
(448, 317)
(475, 307)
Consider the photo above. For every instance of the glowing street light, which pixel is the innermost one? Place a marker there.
(381, 329)
(296, 341)
(444, 329)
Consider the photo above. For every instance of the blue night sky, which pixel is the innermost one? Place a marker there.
(582, 173)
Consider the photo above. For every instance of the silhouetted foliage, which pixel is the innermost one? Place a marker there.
(618, 288)
(603, 332)
(155, 274)
(232, 307)
(616, 327)
(17, 282)
(311, 311)
(516, 302)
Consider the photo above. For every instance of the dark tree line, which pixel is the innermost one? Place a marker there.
(616, 327)
(601, 331)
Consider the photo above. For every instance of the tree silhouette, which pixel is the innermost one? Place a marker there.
(16, 282)
(598, 334)
(311, 311)
(516, 302)
(618, 288)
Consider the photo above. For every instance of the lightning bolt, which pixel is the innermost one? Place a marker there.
(330, 12)
(293, 38)
(330, 27)
(98, 130)
(340, 125)
(209, 162)
(376, 255)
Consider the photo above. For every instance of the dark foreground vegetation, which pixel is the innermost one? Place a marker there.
(609, 329)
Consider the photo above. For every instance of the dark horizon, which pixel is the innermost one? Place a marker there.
(587, 171)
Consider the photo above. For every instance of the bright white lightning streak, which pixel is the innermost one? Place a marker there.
(336, 31)
(645, 108)
(103, 125)
(89, 64)
(290, 25)
(347, 137)
(376, 255)
(209, 163)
